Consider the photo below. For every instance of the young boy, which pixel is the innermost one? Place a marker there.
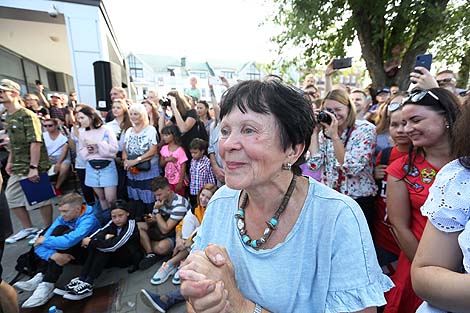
(201, 172)
(116, 244)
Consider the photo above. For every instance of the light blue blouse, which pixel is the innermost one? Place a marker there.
(326, 264)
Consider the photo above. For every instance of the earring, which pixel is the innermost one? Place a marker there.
(447, 126)
(287, 166)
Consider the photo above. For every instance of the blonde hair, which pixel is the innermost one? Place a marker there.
(342, 97)
(72, 199)
(139, 108)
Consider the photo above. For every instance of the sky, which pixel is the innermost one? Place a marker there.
(200, 30)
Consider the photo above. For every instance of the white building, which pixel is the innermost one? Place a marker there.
(57, 42)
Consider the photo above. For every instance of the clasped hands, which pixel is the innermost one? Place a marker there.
(208, 282)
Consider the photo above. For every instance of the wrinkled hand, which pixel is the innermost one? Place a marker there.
(208, 281)
(379, 172)
(423, 80)
(61, 258)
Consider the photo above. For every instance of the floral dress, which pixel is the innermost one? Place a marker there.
(354, 177)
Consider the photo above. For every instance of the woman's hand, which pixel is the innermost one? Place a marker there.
(172, 99)
(130, 163)
(423, 80)
(332, 128)
(208, 281)
(379, 171)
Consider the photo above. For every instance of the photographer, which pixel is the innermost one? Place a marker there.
(184, 118)
(343, 149)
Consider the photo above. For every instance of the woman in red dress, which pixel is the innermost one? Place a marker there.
(428, 116)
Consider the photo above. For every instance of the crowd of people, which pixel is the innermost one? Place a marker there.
(374, 179)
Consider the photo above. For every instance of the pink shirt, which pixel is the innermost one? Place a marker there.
(105, 139)
(173, 169)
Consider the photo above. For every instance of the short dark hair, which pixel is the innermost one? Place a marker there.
(198, 144)
(292, 112)
(96, 120)
(159, 182)
(172, 130)
(119, 204)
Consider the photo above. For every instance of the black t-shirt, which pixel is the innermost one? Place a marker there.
(41, 113)
(197, 131)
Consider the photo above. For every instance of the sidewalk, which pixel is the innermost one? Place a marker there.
(127, 297)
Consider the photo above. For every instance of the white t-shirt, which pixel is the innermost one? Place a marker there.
(54, 146)
(120, 135)
(447, 208)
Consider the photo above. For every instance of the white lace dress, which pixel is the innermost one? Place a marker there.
(448, 209)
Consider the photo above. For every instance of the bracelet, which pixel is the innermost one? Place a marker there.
(156, 211)
(258, 308)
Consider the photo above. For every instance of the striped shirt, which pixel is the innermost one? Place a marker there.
(176, 208)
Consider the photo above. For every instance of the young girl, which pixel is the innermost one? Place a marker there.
(173, 159)
(185, 232)
(385, 244)
(116, 244)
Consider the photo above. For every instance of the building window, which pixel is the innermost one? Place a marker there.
(135, 67)
(202, 75)
(227, 74)
(253, 72)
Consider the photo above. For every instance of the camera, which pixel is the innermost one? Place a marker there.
(165, 102)
(323, 117)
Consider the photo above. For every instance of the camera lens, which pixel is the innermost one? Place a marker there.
(323, 117)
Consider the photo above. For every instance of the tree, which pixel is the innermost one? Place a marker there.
(452, 45)
(390, 32)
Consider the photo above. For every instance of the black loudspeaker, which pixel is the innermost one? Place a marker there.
(107, 76)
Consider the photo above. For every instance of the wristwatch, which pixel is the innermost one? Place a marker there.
(33, 167)
(139, 159)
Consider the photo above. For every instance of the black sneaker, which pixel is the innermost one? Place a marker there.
(81, 291)
(69, 287)
(149, 260)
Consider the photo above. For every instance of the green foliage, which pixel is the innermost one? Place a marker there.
(322, 29)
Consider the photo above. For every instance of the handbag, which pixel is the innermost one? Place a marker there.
(142, 166)
(99, 164)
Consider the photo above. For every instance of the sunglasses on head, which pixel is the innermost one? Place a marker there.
(419, 95)
(392, 107)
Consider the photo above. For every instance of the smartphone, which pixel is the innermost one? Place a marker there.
(463, 93)
(215, 80)
(424, 60)
(342, 63)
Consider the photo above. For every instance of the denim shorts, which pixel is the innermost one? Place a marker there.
(105, 177)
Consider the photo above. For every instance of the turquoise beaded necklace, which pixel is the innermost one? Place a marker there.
(272, 223)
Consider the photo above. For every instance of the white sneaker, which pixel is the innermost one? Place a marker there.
(30, 285)
(163, 273)
(34, 237)
(176, 278)
(40, 296)
(22, 234)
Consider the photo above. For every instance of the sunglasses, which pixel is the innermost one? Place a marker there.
(419, 95)
(445, 81)
(392, 107)
(48, 125)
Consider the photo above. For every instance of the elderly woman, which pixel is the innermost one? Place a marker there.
(267, 215)
(140, 158)
(343, 149)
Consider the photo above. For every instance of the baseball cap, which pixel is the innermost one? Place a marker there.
(57, 95)
(6, 84)
(384, 89)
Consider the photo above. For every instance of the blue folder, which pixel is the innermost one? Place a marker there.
(37, 192)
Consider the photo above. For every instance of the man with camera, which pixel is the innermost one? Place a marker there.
(157, 232)
(27, 158)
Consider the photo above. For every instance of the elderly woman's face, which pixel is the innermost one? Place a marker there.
(250, 147)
